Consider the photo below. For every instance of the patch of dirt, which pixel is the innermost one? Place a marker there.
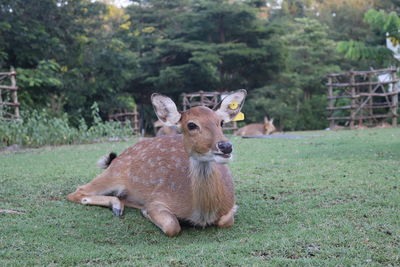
(261, 254)
(11, 148)
(293, 257)
(338, 202)
(12, 211)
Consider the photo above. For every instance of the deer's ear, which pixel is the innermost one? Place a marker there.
(165, 109)
(231, 105)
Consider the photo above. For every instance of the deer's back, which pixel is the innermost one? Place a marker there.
(252, 129)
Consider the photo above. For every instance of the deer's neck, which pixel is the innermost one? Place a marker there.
(207, 192)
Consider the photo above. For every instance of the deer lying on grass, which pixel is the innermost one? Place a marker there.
(384, 125)
(162, 129)
(255, 129)
(172, 178)
(167, 130)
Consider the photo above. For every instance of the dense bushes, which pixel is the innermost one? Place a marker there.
(37, 128)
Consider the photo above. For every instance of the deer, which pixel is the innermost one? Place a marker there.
(255, 129)
(336, 127)
(176, 178)
(167, 130)
(384, 125)
(360, 126)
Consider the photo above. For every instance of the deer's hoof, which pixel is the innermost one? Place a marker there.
(117, 212)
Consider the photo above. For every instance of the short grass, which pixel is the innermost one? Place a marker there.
(329, 199)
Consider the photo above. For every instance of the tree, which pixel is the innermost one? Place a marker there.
(208, 45)
(383, 25)
(68, 53)
(297, 98)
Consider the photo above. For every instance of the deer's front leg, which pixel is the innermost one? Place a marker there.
(228, 219)
(163, 218)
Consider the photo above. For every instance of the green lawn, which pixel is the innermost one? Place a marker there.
(329, 199)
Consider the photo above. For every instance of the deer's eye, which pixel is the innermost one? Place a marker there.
(192, 126)
(222, 123)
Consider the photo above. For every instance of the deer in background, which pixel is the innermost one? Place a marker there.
(384, 125)
(173, 178)
(255, 129)
(167, 130)
(161, 129)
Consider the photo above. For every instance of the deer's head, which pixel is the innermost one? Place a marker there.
(201, 126)
(269, 127)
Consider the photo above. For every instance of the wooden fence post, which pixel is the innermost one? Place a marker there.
(370, 110)
(361, 88)
(331, 102)
(1, 105)
(394, 100)
(14, 93)
(353, 101)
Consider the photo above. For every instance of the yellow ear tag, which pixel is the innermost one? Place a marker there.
(234, 105)
(239, 117)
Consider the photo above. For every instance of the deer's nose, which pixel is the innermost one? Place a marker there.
(225, 147)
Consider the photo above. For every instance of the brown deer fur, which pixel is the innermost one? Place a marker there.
(167, 130)
(172, 178)
(384, 125)
(255, 129)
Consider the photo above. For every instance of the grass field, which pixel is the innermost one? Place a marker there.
(329, 199)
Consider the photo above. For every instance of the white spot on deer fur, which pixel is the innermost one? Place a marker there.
(143, 168)
(159, 181)
(172, 186)
(163, 170)
(136, 179)
(148, 182)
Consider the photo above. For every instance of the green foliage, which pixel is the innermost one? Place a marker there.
(66, 50)
(386, 25)
(295, 8)
(38, 128)
(46, 74)
(297, 99)
(361, 51)
(206, 45)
